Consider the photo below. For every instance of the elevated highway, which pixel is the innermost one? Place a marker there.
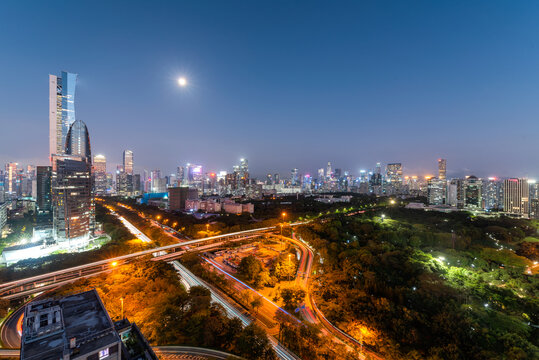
(28, 286)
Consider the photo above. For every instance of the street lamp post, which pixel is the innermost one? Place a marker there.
(282, 240)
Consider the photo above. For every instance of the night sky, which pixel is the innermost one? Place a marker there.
(283, 83)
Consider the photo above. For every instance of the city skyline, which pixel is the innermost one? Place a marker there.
(239, 103)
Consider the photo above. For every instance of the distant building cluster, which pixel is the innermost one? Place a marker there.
(512, 196)
(62, 192)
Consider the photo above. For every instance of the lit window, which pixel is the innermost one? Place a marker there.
(104, 353)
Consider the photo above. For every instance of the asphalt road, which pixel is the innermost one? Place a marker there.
(11, 331)
(233, 311)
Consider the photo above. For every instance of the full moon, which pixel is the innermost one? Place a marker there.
(182, 81)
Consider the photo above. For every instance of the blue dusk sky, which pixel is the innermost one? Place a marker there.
(283, 83)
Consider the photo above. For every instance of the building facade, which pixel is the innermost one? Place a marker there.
(394, 175)
(72, 198)
(128, 162)
(100, 174)
(177, 197)
(516, 196)
(61, 110)
(436, 191)
(44, 189)
(473, 187)
(442, 166)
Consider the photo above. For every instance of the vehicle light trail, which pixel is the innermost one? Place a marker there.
(247, 286)
(192, 280)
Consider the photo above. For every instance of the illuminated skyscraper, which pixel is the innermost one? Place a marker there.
(436, 191)
(491, 194)
(78, 141)
(244, 169)
(329, 172)
(100, 174)
(394, 174)
(516, 196)
(44, 189)
(294, 177)
(442, 163)
(180, 174)
(11, 178)
(72, 198)
(128, 161)
(378, 169)
(72, 193)
(472, 188)
(61, 110)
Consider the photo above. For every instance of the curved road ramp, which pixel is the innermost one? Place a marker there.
(164, 352)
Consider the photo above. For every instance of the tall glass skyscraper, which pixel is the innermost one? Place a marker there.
(61, 110)
(100, 174)
(72, 198)
(128, 162)
(78, 141)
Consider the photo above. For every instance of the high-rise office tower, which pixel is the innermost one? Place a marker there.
(363, 176)
(43, 189)
(180, 174)
(491, 193)
(244, 169)
(11, 178)
(453, 197)
(442, 163)
(269, 179)
(294, 177)
(124, 183)
(61, 110)
(321, 175)
(329, 172)
(472, 188)
(128, 161)
(436, 191)
(78, 141)
(137, 189)
(394, 174)
(110, 181)
(378, 169)
(516, 196)
(100, 174)
(72, 198)
(534, 189)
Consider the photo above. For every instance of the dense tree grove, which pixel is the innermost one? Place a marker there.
(167, 314)
(429, 285)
